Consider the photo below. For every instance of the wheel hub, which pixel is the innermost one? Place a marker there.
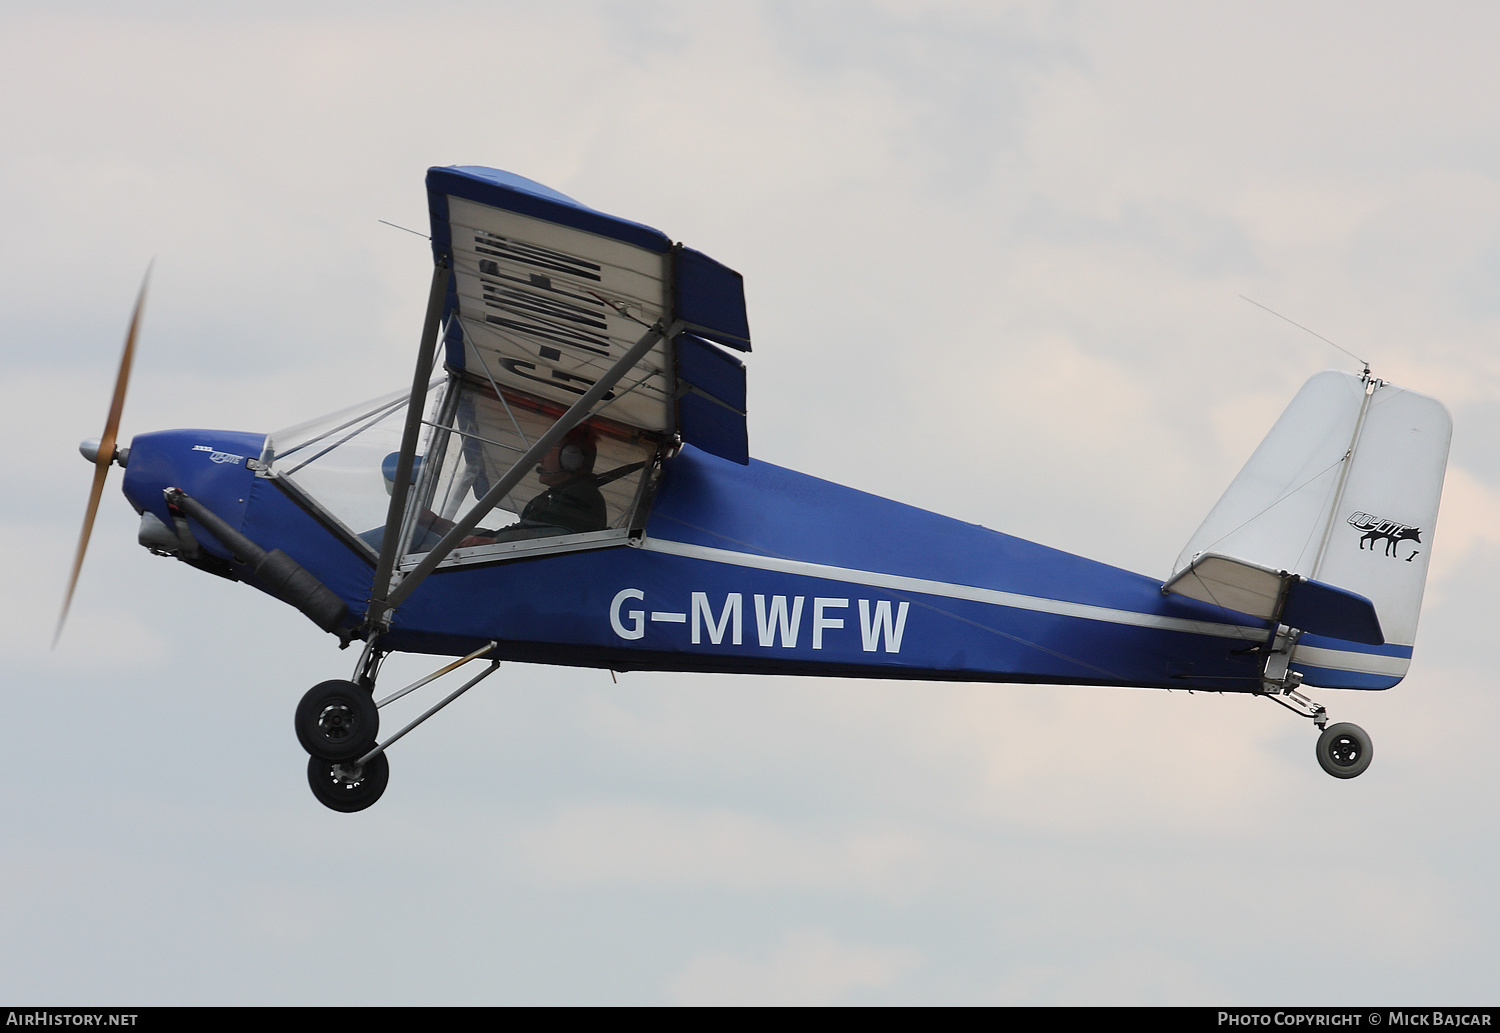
(1345, 751)
(337, 722)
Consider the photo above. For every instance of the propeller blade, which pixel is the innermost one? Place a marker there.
(106, 454)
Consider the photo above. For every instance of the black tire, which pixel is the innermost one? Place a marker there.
(337, 720)
(348, 787)
(1344, 750)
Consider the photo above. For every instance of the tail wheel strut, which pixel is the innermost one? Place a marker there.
(1343, 750)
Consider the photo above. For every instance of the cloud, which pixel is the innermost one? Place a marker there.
(811, 967)
(993, 254)
(646, 844)
(1468, 530)
(1129, 978)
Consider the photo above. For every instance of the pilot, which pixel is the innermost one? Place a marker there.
(572, 503)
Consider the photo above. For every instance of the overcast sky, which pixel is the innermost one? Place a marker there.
(993, 255)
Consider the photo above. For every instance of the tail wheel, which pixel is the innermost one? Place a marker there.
(348, 787)
(1344, 750)
(337, 720)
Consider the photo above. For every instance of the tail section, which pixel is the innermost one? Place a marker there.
(1343, 491)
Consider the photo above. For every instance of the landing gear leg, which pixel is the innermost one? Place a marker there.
(338, 723)
(369, 663)
(1344, 750)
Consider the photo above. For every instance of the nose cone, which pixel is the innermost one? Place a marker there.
(89, 449)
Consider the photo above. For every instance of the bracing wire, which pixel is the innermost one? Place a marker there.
(1299, 326)
(398, 227)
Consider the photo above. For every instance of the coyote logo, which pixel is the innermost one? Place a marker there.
(1375, 528)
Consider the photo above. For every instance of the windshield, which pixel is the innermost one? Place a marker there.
(345, 465)
(336, 460)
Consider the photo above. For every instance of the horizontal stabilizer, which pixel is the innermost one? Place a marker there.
(1335, 612)
(1233, 584)
(1276, 595)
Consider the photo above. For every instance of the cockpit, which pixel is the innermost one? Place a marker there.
(544, 313)
(588, 492)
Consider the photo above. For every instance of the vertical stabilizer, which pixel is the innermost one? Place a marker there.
(1345, 490)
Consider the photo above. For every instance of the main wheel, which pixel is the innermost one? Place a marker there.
(337, 720)
(348, 787)
(1344, 750)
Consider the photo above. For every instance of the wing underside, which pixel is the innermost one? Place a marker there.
(547, 295)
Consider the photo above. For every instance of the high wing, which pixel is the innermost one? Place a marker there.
(564, 311)
(547, 294)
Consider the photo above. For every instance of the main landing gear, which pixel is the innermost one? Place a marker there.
(345, 786)
(337, 720)
(1344, 750)
(338, 724)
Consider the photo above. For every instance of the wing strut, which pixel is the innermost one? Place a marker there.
(390, 542)
(575, 415)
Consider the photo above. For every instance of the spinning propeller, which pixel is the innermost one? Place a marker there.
(103, 452)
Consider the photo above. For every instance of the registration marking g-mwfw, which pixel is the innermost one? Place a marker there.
(778, 619)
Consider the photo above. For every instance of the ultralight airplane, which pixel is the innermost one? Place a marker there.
(568, 481)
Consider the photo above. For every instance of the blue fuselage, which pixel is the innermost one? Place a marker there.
(752, 569)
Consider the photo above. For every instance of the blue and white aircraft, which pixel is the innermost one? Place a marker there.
(568, 481)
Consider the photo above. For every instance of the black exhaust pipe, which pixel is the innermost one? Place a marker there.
(283, 576)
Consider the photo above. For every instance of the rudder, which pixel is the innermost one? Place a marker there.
(1344, 490)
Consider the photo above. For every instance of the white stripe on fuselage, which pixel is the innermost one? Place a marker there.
(947, 590)
(1346, 660)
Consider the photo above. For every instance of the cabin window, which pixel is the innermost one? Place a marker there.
(587, 493)
(335, 462)
(590, 489)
